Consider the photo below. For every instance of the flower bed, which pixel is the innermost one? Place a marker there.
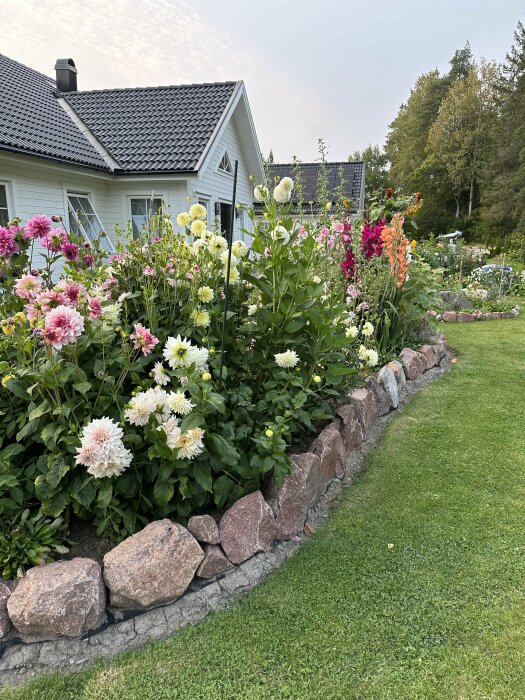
(64, 602)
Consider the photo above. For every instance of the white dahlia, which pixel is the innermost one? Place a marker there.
(287, 359)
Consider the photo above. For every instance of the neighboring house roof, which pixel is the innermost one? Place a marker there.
(33, 122)
(352, 175)
(124, 131)
(159, 129)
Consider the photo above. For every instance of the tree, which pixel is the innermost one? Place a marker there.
(457, 139)
(461, 64)
(376, 169)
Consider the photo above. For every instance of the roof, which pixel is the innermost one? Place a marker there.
(143, 130)
(159, 129)
(352, 175)
(32, 121)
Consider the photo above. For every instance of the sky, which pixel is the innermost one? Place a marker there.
(331, 69)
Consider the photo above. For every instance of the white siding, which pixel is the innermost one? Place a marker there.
(218, 186)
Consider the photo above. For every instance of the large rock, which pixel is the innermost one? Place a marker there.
(441, 349)
(5, 622)
(298, 492)
(329, 447)
(62, 599)
(352, 430)
(449, 316)
(399, 373)
(381, 396)
(413, 363)
(453, 301)
(430, 356)
(464, 317)
(214, 562)
(204, 529)
(365, 405)
(247, 527)
(153, 566)
(387, 379)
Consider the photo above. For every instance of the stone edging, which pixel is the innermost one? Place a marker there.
(477, 315)
(297, 506)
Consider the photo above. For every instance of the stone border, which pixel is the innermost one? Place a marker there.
(298, 505)
(477, 315)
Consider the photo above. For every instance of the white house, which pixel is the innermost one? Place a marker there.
(101, 158)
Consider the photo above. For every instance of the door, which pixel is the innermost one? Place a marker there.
(225, 218)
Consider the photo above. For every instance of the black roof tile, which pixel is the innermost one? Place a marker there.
(159, 129)
(32, 121)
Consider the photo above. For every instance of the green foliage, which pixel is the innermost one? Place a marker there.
(29, 540)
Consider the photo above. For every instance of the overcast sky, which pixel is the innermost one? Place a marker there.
(330, 69)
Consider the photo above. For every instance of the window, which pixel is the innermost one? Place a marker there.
(142, 209)
(225, 166)
(4, 211)
(84, 221)
(225, 218)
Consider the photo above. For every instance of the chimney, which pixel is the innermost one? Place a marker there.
(66, 75)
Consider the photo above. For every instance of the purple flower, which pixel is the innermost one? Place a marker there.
(38, 226)
(70, 250)
(8, 244)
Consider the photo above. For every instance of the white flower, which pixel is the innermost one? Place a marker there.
(279, 233)
(189, 444)
(287, 184)
(199, 356)
(287, 359)
(234, 274)
(201, 319)
(372, 358)
(160, 375)
(198, 227)
(316, 279)
(281, 194)
(198, 245)
(361, 353)
(178, 403)
(171, 428)
(198, 211)
(147, 403)
(183, 219)
(252, 309)
(111, 313)
(102, 450)
(352, 332)
(260, 193)
(124, 296)
(217, 244)
(224, 259)
(240, 249)
(367, 329)
(205, 294)
(178, 352)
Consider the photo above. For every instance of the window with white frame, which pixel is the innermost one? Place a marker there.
(83, 220)
(4, 209)
(225, 166)
(142, 209)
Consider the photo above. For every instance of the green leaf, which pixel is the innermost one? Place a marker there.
(40, 410)
(82, 489)
(223, 449)
(56, 504)
(12, 450)
(202, 475)
(28, 429)
(222, 488)
(18, 388)
(105, 494)
(82, 387)
(58, 467)
(43, 490)
(163, 492)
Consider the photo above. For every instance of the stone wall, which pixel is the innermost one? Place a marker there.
(69, 613)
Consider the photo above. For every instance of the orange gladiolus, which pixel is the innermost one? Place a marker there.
(395, 243)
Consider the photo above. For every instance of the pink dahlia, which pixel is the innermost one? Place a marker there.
(28, 286)
(8, 245)
(54, 239)
(95, 308)
(38, 226)
(143, 339)
(73, 292)
(63, 326)
(89, 260)
(50, 299)
(70, 250)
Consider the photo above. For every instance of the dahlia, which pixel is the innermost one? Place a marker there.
(198, 227)
(28, 286)
(8, 245)
(260, 193)
(70, 250)
(198, 211)
(287, 359)
(38, 226)
(178, 352)
(63, 326)
(178, 403)
(281, 194)
(367, 329)
(160, 375)
(102, 450)
(201, 319)
(189, 444)
(95, 308)
(279, 233)
(183, 219)
(143, 339)
(287, 184)
(205, 294)
(217, 244)
(240, 249)
(54, 239)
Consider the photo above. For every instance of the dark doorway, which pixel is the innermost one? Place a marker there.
(225, 218)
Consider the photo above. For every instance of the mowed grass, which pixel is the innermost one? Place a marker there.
(440, 615)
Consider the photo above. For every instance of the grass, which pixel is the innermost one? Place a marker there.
(439, 616)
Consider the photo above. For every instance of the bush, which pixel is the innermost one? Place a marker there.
(125, 401)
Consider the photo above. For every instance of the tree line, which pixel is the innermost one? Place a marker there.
(459, 140)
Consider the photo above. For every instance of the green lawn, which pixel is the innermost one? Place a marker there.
(441, 615)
